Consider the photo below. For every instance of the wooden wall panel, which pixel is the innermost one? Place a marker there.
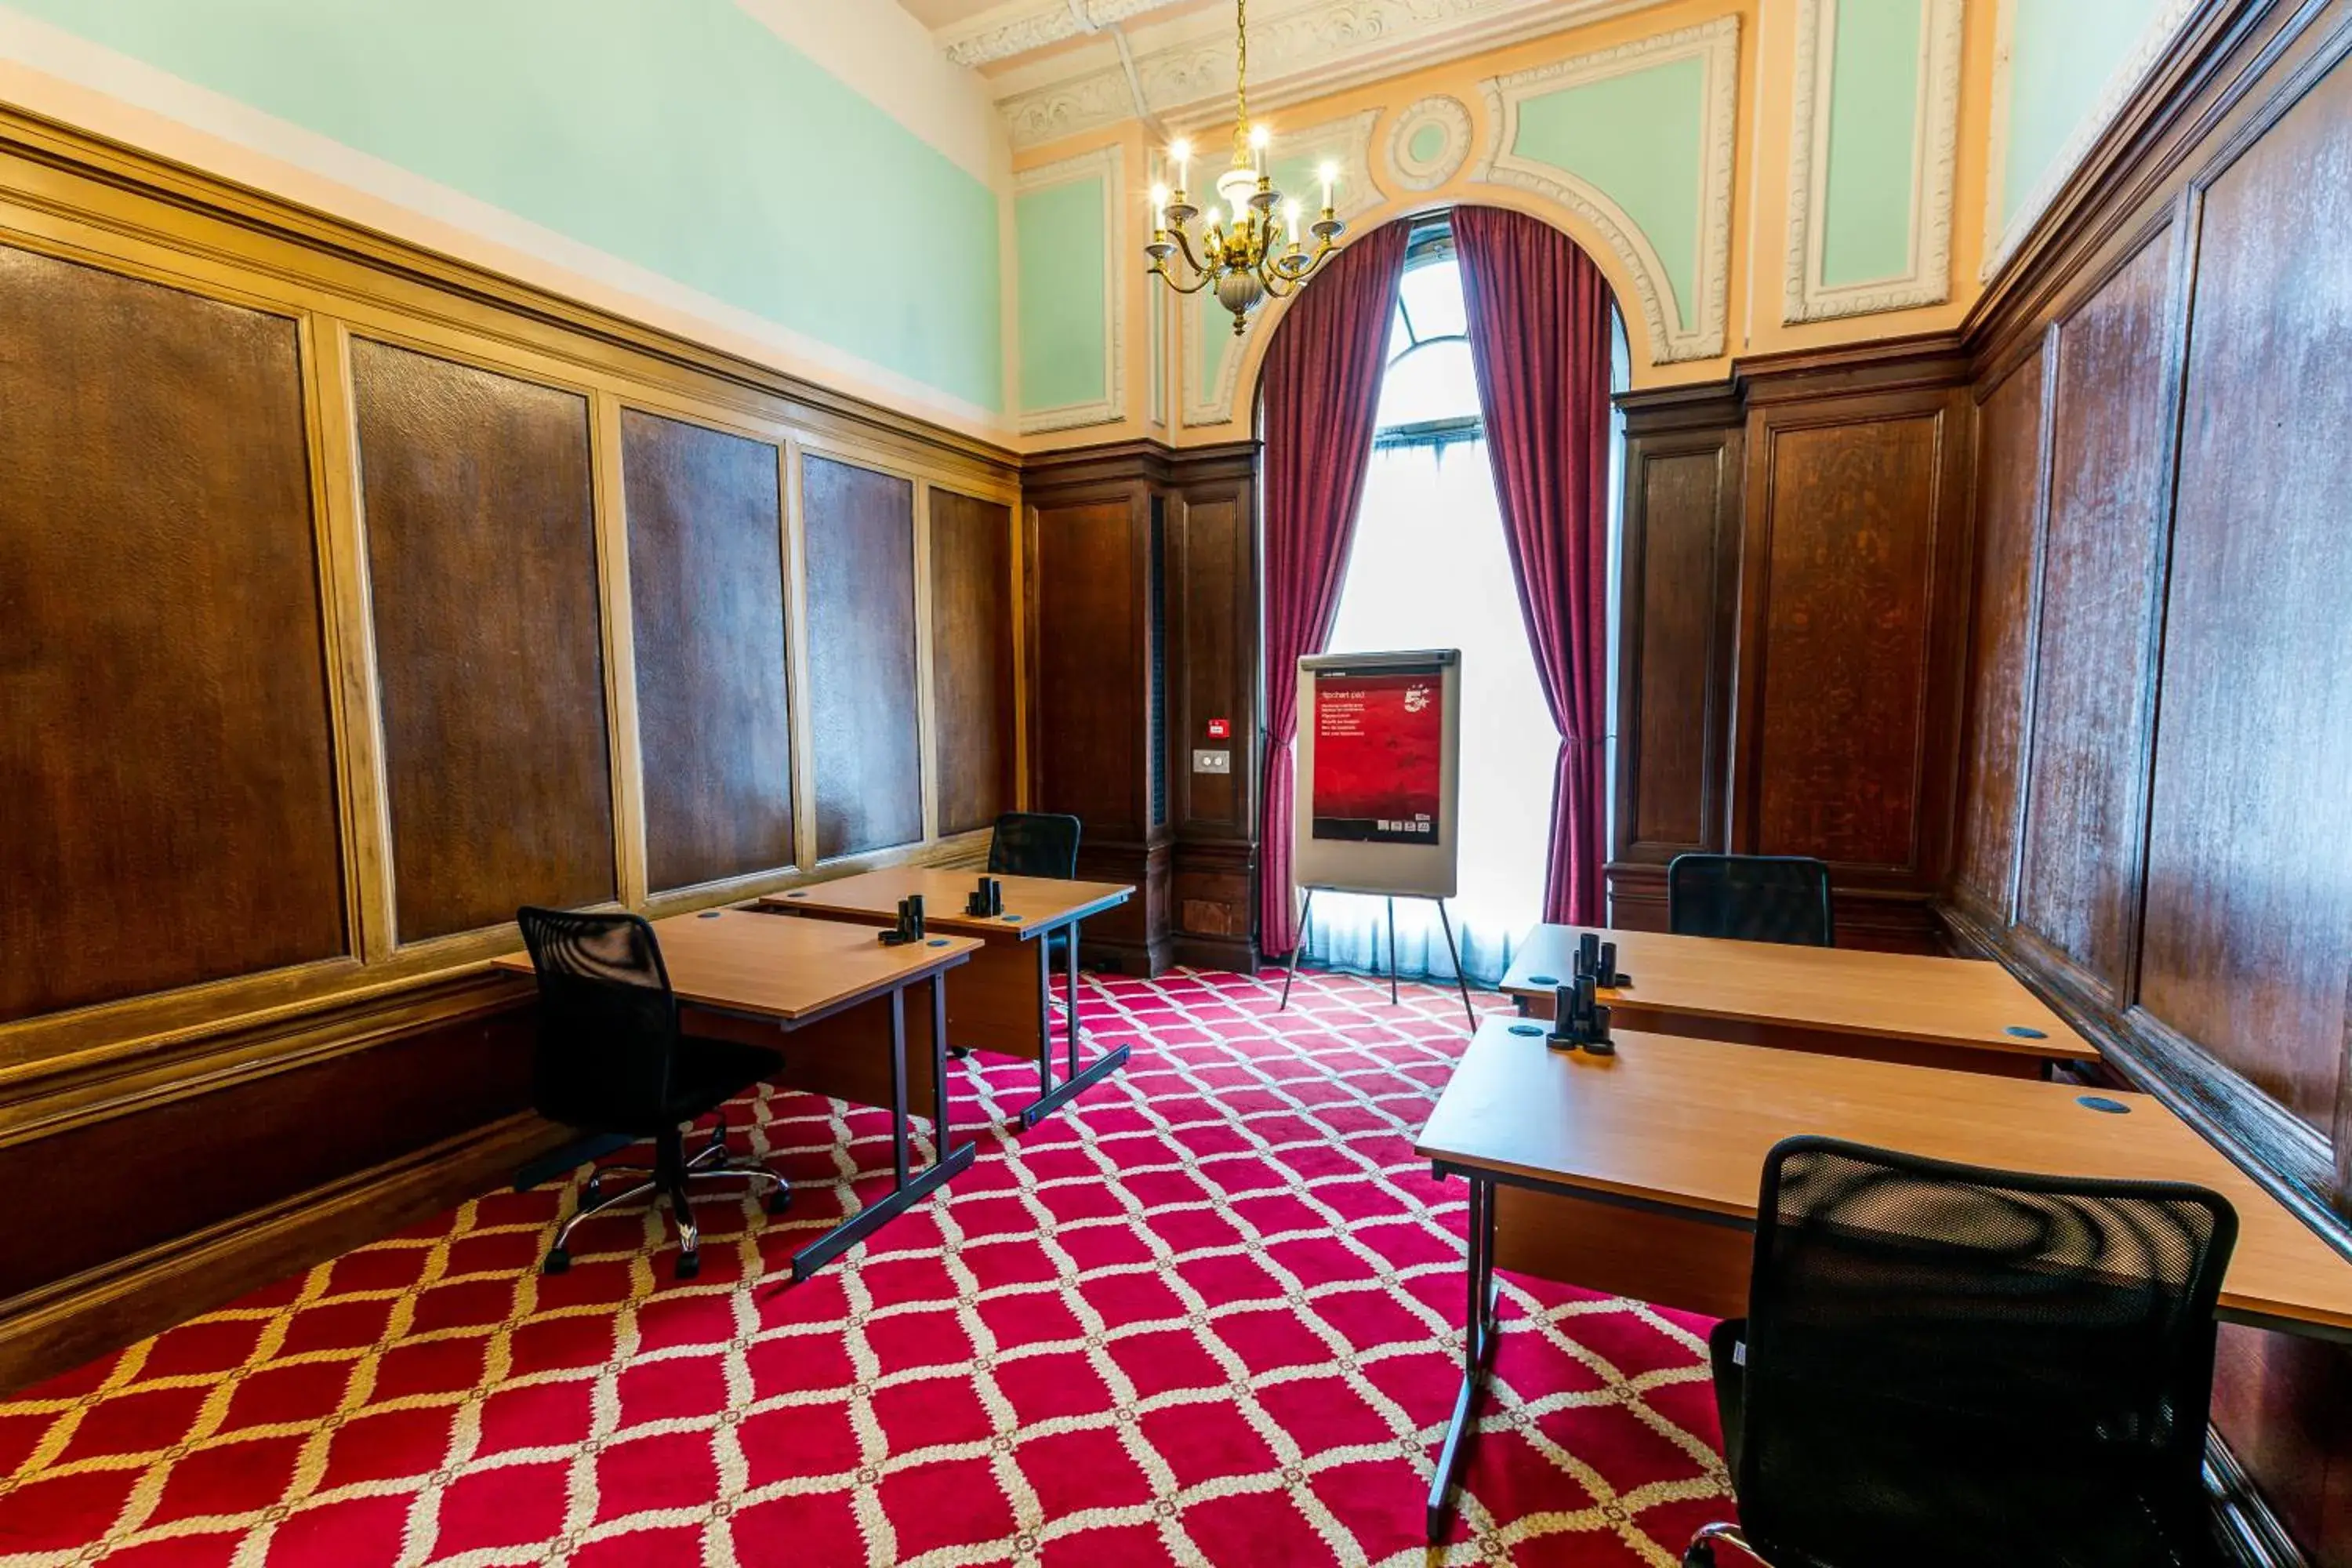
(1090, 677)
(973, 616)
(482, 556)
(2099, 594)
(2185, 889)
(1675, 660)
(1848, 586)
(860, 541)
(1212, 604)
(707, 599)
(2250, 853)
(2009, 507)
(166, 762)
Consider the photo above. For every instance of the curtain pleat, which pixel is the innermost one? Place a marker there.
(1540, 336)
(1322, 389)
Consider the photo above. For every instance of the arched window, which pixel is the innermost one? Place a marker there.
(1429, 568)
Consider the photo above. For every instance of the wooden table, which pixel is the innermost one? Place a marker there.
(843, 996)
(1637, 1174)
(1002, 1003)
(1884, 1006)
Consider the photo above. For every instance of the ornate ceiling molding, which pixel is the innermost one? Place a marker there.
(1936, 124)
(1006, 31)
(1107, 165)
(1717, 45)
(1300, 49)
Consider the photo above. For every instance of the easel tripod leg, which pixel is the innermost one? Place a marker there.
(1305, 914)
(1460, 979)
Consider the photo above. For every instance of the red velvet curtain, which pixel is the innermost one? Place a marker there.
(1540, 334)
(1322, 389)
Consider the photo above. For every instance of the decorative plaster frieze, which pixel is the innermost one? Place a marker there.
(1345, 142)
(1716, 45)
(1005, 31)
(1452, 119)
(1109, 165)
(1934, 132)
(2122, 86)
(1300, 49)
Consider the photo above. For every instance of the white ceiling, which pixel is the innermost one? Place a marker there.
(1060, 68)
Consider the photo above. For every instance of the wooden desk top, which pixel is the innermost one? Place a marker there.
(1687, 1123)
(1041, 902)
(744, 961)
(1962, 1002)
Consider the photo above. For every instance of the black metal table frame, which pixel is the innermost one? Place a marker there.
(1050, 1096)
(1480, 1332)
(907, 1189)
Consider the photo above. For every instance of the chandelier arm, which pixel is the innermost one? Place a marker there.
(1194, 287)
(1184, 246)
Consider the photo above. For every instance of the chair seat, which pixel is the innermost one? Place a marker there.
(705, 1074)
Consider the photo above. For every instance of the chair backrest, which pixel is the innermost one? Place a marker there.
(607, 1018)
(1947, 1364)
(1751, 897)
(1034, 843)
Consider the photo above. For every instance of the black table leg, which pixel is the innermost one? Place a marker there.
(1070, 996)
(907, 1191)
(1477, 1356)
(1079, 1080)
(940, 1066)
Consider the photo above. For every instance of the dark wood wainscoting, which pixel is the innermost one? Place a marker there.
(349, 598)
(2157, 823)
(1144, 591)
(1794, 600)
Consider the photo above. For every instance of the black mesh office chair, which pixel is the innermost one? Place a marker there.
(612, 1059)
(1034, 843)
(1950, 1367)
(1750, 898)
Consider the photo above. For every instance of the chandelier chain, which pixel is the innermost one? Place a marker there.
(1241, 80)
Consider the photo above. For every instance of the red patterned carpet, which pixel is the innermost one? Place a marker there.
(1209, 1315)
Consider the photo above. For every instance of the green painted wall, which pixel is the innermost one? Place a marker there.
(1062, 257)
(1874, 132)
(2062, 54)
(1634, 138)
(680, 135)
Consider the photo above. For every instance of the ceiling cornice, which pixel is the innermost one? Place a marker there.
(1004, 31)
(1300, 49)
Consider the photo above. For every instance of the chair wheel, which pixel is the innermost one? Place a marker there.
(780, 1200)
(961, 1053)
(689, 1264)
(556, 1261)
(592, 1193)
(1701, 1554)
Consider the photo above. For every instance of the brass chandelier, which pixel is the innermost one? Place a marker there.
(1245, 250)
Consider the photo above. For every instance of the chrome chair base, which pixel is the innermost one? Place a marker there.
(709, 1163)
(1700, 1552)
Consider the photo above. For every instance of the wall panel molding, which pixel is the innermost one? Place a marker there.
(1936, 122)
(1108, 165)
(1673, 335)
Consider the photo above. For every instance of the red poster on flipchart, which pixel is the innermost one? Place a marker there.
(1380, 747)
